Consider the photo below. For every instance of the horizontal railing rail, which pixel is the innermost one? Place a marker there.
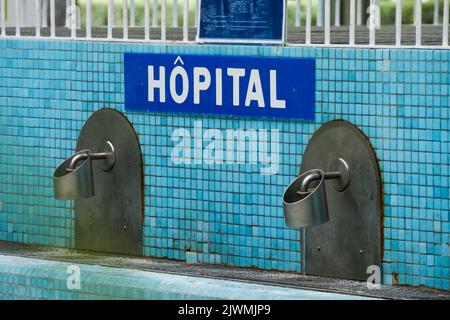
(310, 23)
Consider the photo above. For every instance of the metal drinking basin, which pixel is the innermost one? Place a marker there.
(74, 183)
(305, 200)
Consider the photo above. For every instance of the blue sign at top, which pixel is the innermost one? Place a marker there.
(220, 85)
(260, 21)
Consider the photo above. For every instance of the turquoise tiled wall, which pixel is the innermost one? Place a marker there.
(226, 213)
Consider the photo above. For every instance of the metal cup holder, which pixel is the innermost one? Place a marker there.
(305, 200)
(306, 208)
(73, 179)
(74, 183)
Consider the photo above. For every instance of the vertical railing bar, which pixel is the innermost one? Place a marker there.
(319, 21)
(308, 21)
(73, 19)
(445, 24)
(110, 18)
(337, 13)
(155, 14)
(359, 12)
(372, 22)
(52, 19)
(44, 17)
(327, 21)
(398, 22)
(132, 14)
(297, 13)
(175, 13)
(352, 22)
(436, 13)
(67, 14)
(113, 15)
(418, 15)
(147, 19)
(163, 19)
(18, 17)
(3, 17)
(88, 19)
(414, 12)
(378, 13)
(186, 21)
(125, 19)
(38, 18)
(197, 3)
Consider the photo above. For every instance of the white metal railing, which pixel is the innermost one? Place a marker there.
(327, 14)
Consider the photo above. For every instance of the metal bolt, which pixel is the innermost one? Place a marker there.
(124, 227)
(361, 252)
(318, 248)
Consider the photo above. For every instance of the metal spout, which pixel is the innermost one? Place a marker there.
(73, 179)
(77, 183)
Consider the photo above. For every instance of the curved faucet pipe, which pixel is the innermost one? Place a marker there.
(76, 159)
(315, 176)
(84, 156)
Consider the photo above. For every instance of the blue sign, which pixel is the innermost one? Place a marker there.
(259, 21)
(220, 85)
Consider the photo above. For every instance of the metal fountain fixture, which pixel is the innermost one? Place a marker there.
(105, 178)
(336, 201)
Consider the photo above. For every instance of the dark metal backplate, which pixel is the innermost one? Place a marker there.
(351, 241)
(111, 221)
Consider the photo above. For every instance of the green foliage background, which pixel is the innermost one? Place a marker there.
(387, 11)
